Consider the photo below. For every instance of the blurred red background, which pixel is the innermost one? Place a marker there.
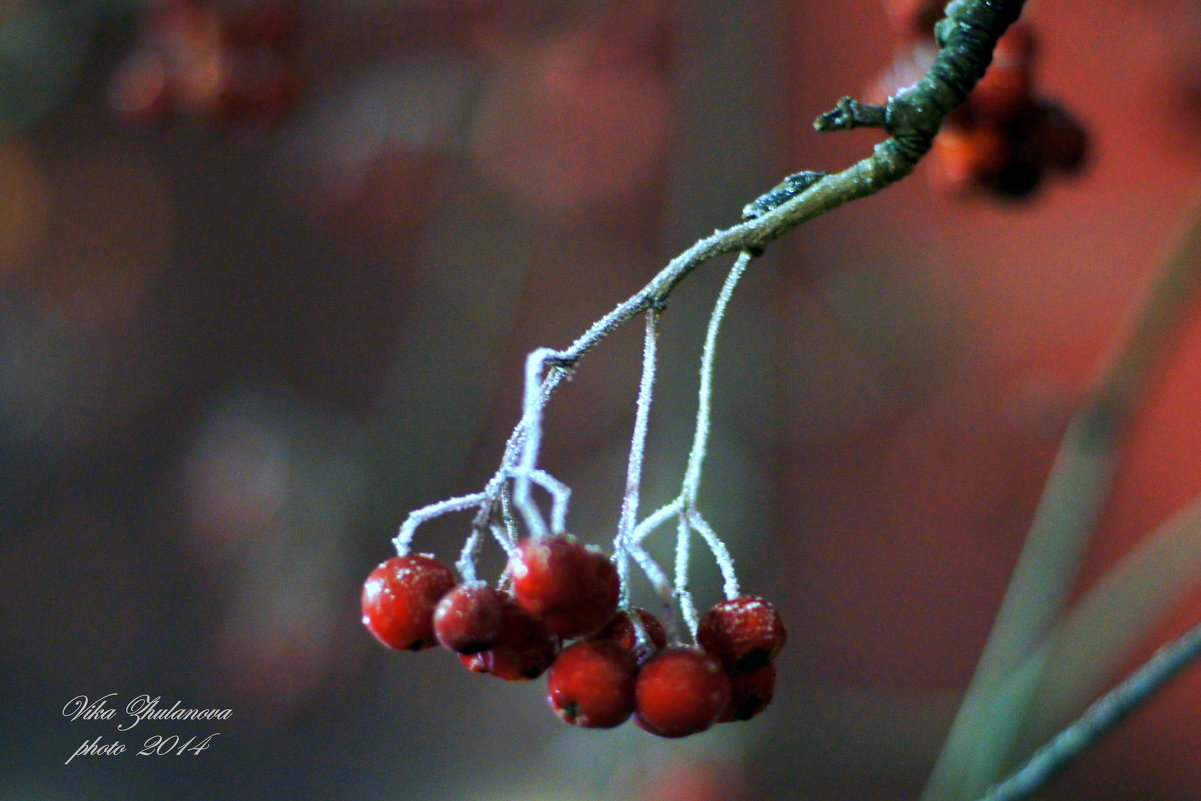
(239, 341)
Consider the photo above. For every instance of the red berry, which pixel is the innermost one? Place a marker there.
(591, 684)
(573, 588)
(680, 691)
(743, 633)
(526, 649)
(620, 629)
(750, 693)
(470, 617)
(399, 598)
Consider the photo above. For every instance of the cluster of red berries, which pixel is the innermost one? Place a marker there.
(1006, 138)
(561, 615)
(201, 59)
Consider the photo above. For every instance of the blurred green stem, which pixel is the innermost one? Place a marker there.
(1100, 718)
(978, 748)
(1103, 628)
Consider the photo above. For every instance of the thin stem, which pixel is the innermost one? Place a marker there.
(683, 593)
(912, 119)
(466, 563)
(700, 436)
(509, 528)
(560, 495)
(404, 538)
(1100, 718)
(1098, 634)
(720, 553)
(501, 535)
(515, 447)
(655, 574)
(531, 420)
(630, 499)
(654, 520)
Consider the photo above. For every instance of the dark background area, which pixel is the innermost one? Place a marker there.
(236, 352)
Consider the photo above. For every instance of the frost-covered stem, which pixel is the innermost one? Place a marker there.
(560, 495)
(720, 553)
(690, 518)
(531, 421)
(466, 563)
(508, 529)
(911, 119)
(700, 436)
(684, 507)
(515, 447)
(630, 499)
(654, 573)
(1100, 718)
(501, 535)
(404, 538)
(683, 593)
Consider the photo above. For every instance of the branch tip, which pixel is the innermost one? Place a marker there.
(850, 113)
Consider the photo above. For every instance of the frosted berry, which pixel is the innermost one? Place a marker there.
(742, 633)
(399, 597)
(620, 629)
(470, 617)
(680, 691)
(750, 693)
(525, 650)
(571, 587)
(591, 684)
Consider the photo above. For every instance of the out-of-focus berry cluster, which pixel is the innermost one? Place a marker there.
(560, 613)
(206, 60)
(1006, 138)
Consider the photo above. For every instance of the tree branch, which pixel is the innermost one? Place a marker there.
(966, 38)
(912, 118)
